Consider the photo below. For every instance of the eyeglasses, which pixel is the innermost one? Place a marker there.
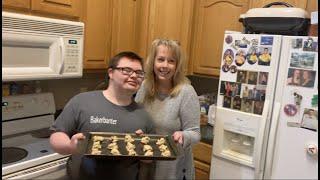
(128, 71)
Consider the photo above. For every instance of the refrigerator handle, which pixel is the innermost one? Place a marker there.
(272, 140)
(259, 163)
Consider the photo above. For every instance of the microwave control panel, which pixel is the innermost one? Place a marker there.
(72, 56)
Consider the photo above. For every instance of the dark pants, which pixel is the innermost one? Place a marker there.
(91, 169)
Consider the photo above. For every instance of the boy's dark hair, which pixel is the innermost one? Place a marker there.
(114, 61)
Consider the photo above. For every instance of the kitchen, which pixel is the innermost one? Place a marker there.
(113, 26)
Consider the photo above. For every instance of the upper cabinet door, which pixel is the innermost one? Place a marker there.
(97, 19)
(16, 4)
(295, 3)
(212, 18)
(171, 19)
(70, 8)
(124, 25)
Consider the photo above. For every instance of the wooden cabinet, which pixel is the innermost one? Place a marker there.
(97, 42)
(202, 160)
(126, 24)
(212, 18)
(111, 27)
(23, 5)
(172, 20)
(69, 9)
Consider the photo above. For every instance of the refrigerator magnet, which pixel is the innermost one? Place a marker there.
(296, 43)
(252, 55)
(314, 101)
(240, 57)
(228, 39)
(254, 42)
(228, 57)
(310, 119)
(245, 40)
(225, 68)
(310, 45)
(241, 43)
(233, 45)
(290, 109)
(233, 69)
(297, 98)
(265, 56)
(266, 40)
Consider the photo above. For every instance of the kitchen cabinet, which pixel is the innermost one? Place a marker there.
(126, 25)
(70, 8)
(111, 27)
(134, 25)
(97, 42)
(202, 160)
(64, 9)
(172, 20)
(212, 18)
(22, 5)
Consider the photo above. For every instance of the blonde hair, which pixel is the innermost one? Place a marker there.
(179, 78)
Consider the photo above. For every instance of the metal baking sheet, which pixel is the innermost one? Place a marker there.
(85, 146)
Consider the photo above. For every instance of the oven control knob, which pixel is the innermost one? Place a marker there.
(312, 149)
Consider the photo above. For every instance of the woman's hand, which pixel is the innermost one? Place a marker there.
(178, 137)
(74, 141)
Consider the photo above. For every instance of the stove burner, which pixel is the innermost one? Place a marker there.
(12, 154)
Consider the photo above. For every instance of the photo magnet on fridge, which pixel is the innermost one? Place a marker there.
(302, 60)
(228, 39)
(310, 119)
(310, 45)
(296, 43)
(266, 40)
(233, 69)
(240, 57)
(241, 43)
(300, 77)
(228, 57)
(265, 56)
(252, 55)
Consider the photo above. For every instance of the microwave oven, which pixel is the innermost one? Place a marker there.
(36, 48)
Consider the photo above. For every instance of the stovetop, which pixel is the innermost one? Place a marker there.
(34, 150)
(38, 152)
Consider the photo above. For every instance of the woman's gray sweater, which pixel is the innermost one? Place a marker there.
(180, 113)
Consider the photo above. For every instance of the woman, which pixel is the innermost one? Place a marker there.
(174, 106)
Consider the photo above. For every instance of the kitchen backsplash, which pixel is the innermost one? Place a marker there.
(64, 89)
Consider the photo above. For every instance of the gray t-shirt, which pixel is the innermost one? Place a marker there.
(92, 112)
(170, 114)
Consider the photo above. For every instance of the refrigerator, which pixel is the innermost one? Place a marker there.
(266, 124)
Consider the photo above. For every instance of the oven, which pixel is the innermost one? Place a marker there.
(26, 152)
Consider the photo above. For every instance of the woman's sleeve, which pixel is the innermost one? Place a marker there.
(190, 117)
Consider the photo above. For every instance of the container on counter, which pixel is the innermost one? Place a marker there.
(5, 89)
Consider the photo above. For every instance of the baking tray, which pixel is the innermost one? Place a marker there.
(85, 146)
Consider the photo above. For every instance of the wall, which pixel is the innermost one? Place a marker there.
(64, 89)
(204, 84)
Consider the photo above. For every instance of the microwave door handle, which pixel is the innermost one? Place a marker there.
(62, 52)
